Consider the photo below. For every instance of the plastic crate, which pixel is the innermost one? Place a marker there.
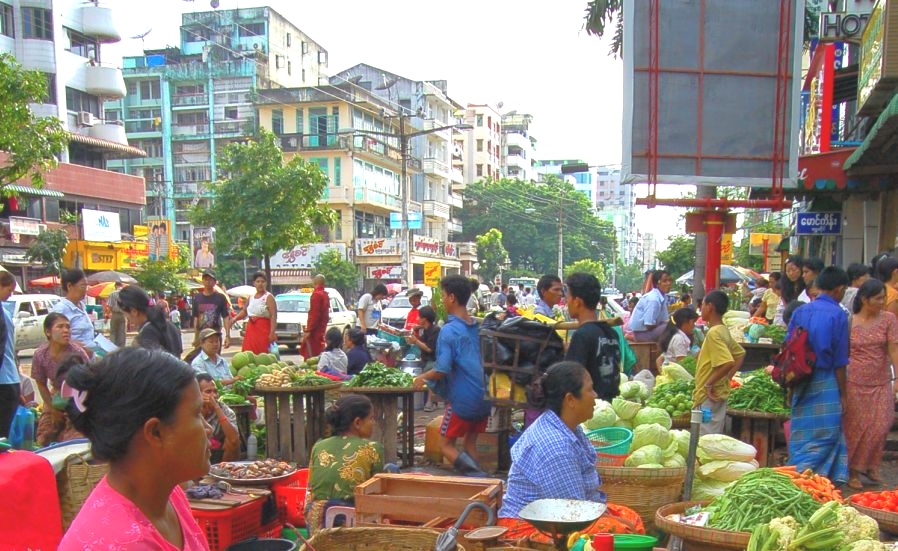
(222, 528)
(290, 496)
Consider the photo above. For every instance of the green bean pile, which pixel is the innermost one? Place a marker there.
(759, 392)
(757, 498)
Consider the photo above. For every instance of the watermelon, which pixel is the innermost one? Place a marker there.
(247, 372)
(240, 360)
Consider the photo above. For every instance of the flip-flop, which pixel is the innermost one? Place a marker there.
(873, 478)
(855, 484)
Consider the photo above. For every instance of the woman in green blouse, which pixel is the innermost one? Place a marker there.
(341, 462)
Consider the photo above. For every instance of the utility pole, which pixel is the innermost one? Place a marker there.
(561, 235)
(407, 270)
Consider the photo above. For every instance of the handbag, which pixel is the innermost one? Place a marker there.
(75, 482)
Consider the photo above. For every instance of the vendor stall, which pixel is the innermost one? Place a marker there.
(294, 420)
(387, 403)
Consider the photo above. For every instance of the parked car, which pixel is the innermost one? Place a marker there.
(293, 313)
(28, 313)
(397, 311)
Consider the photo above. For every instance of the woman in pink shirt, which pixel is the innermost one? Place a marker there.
(142, 411)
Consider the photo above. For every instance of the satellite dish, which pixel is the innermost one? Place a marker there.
(388, 83)
(142, 35)
(500, 104)
(356, 79)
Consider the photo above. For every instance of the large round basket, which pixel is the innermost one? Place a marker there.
(699, 538)
(681, 421)
(643, 490)
(888, 522)
(374, 539)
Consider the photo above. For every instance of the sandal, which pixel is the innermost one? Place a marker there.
(855, 484)
(430, 407)
(873, 476)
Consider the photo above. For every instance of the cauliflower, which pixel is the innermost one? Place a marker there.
(865, 545)
(784, 528)
(856, 526)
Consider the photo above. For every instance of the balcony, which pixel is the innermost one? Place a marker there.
(456, 176)
(435, 167)
(454, 226)
(106, 82)
(110, 132)
(314, 142)
(456, 201)
(184, 131)
(430, 124)
(436, 209)
(190, 189)
(514, 139)
(338, 195)
(234, 128)
(361, 144)
(517, 161)
(99, 23)
(467, 251)
(190, 100)
(376, 198)
(197, 158)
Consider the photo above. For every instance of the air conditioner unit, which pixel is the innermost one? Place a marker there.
(85, 118)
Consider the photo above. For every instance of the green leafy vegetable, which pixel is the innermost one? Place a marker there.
(759, 392)
(378, 375)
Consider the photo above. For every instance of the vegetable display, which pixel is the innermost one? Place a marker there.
(688, 363)
(831, 527)
(885, 501)
(757, 498)
(759, 392)
(672, 372)
(674, 397)
(722, 459)
(819, 487)
(377, 374)
(776, 333)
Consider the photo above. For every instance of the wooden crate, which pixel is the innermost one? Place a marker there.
(423, 500)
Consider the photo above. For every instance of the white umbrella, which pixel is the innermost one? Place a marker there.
(728, 274)
(242, 291)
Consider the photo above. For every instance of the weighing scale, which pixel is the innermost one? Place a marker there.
(558, 518)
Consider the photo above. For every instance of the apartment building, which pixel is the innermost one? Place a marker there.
(186, 104)
(353, 135)
(481, 146)
(64, 39)
(518, 147)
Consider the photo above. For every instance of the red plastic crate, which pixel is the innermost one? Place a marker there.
(271, 530)
(291, 496)
(223, 528)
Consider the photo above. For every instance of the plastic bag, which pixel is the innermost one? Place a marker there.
(647, 379)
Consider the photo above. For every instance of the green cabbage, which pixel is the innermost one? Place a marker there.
(726, 448)
(676, 372)
(624, 423)
(725, 471)
(652, 415)
(602, 416)
(633, 390)
(625, 409)
(650, 454)
(652, 433)
(671, 449)
(650, 466)
(676, 461)
(682, 439)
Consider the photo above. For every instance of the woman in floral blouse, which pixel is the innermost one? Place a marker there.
(340, 463)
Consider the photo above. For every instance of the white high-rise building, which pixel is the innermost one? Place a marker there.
(519, 147)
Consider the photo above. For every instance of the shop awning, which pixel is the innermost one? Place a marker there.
(28, 190)
(877, 154)
(105, 146)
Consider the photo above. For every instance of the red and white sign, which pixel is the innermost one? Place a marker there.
(303, 256)
(426, 245)
(383, 272)
(376, 247)
(450, 250)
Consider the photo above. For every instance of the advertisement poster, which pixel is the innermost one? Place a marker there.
(100, 225)
(159, 237)
(203, 255)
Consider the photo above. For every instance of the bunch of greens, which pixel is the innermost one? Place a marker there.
(310, 379)
(688, 363)
(776, 333)
(233, 395)
(759, 392)
(378, 375)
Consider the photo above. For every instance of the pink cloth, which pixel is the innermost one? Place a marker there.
(109, 521)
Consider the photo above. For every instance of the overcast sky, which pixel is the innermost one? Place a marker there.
(533, 56)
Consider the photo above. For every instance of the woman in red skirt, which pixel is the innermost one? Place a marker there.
(262, 312)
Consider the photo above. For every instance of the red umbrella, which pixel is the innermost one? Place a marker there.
(46, 281)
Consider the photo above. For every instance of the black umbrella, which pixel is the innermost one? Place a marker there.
(108, 276)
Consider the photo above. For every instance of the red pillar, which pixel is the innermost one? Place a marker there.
(714, 231)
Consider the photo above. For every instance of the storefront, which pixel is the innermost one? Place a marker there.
(98, 255)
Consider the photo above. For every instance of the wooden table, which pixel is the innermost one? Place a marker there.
(387, 403)
(757, 355)
(291, 432)
(244, 423)
(759, 430)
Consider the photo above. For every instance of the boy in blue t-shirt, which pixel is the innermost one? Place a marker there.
(458, 376)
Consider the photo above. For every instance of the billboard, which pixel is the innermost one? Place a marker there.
(100, 225)
(159, 237)
(717, 89)
(203, 255)
(303, 256)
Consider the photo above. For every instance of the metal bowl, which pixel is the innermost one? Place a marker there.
(561, 516)
(248, 481)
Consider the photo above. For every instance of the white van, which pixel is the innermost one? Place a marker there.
(28, 313)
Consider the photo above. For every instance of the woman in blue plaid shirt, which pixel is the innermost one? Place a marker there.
(556, 439)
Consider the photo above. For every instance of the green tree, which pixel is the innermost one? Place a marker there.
(491, 254)
(48, 248)
(339, 273)
(161, 276)
(742, 251)
(264, 205)
(679, 257)
(629, 277)
(586, 266)
(31, 142)
(527, 215)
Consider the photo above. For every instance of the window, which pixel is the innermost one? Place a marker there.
(51, 88)
(479, 145)
(7, 27)
(113, 115)
(149, 89)
(480, 170)
(299, 121)
(131, 87)
(190, 89)
(479, 120)
(289, 67)
(37, 23)
(303, 75)
(231, 112)
(76, 100)
(337, 172)
(252, 29)
(277, 121)
(83, 46)
(289, 40)
(199, 117)
(322, 58)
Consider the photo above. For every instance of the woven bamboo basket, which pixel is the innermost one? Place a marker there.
(888, 522)
(681, 421)
(75, 482)
(643, 490)
(699, 538)
(374, 539)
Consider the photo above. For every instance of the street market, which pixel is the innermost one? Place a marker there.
(251, 303)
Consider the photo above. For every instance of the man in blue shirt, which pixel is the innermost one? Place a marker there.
(817, 441)
(550, 291)
(10, 386)
(458, 377)
(649, 318)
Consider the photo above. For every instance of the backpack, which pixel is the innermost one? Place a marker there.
(609, 357)
(795, 363)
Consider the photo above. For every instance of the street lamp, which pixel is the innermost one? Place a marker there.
(407, 272)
